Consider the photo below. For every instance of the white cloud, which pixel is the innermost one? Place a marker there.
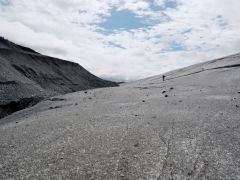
(68, 29)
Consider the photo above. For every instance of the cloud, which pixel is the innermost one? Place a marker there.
(4, 2)
(173, 34)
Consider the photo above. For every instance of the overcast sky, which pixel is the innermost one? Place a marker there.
(125, 40)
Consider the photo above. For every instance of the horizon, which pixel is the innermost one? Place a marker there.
(125, 40)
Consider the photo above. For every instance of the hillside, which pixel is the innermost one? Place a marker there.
(26, 77)
(186, 127)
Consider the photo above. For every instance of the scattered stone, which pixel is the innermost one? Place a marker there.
(171, 88)
(85, 92)
(136, 145)
(164, 92)
(8, 82)
(143, 101)
(239, 92)
(55, 107)
(57, 99)
(16, 122)
(166, 96)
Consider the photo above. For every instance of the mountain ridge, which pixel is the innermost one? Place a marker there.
(25, 73)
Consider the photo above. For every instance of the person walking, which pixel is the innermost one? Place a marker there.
(163, 77)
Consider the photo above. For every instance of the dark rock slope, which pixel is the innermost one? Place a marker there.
(27, 76)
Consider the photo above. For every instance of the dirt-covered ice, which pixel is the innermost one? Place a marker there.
(186, 127)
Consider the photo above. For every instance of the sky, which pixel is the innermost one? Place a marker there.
(125, 40)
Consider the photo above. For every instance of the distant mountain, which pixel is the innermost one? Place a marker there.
(27, 76)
